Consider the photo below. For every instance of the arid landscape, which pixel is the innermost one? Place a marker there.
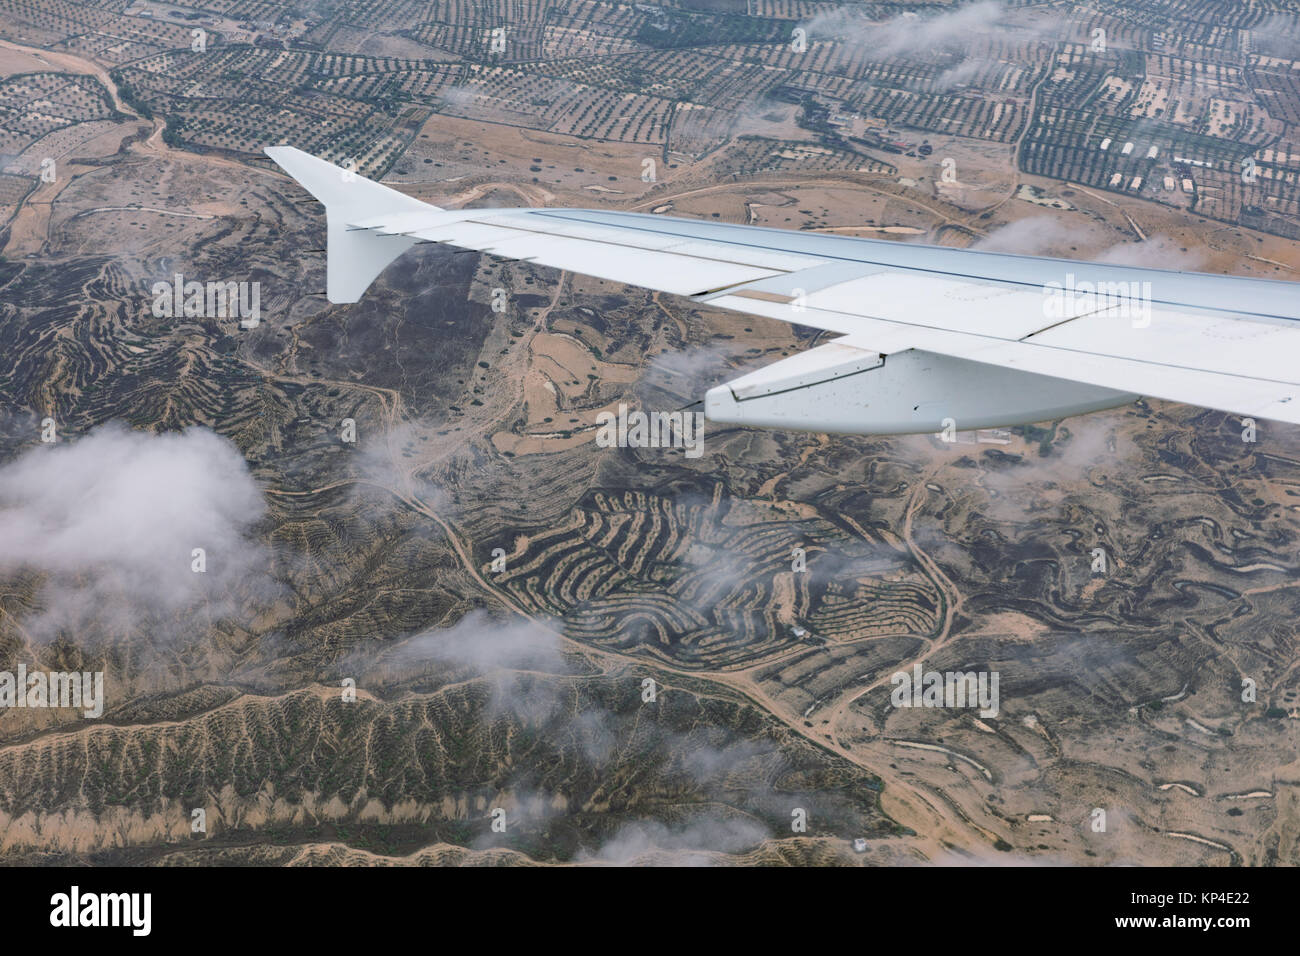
(438, 623)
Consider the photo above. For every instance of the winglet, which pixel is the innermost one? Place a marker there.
(354, 257)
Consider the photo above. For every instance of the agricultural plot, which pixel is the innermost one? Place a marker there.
(1187, 83)
(35, 105)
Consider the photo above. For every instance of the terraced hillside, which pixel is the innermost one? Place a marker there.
(713, 583)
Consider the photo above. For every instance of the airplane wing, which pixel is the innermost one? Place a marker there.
(930, 335)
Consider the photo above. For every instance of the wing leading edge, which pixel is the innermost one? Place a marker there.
(1011, 336)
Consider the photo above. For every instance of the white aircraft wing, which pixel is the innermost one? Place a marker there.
(929, 333)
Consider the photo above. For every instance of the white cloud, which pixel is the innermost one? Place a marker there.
(698, 839)
(481, 644)
(963, 72)
(1157, 252)
(1034, 236)
(110, 521)
(909, 34)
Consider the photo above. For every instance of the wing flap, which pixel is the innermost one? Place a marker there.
(1181, 339)
(960, 305)
(1243, 394)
